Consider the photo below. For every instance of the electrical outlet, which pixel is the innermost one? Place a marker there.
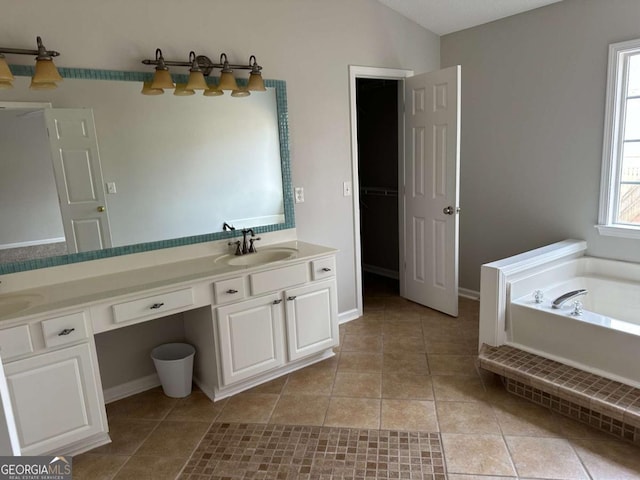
(346, 189)
(299, 194)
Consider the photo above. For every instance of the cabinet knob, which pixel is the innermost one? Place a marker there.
(292, 297)
(231, 291)
(277, 302)
(155, 306)
(66, 331)
(326, 269)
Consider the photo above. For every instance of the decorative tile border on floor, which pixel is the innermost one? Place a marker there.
(257, 451)
(602, 403)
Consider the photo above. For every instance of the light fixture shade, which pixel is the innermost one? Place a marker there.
(147, 90)
(182, 90)
(46, 72)
(5, 73)
(196, 81)
(256, 84)
(213, 91)
(4, 85)
(240, 92)
(227, 81)
(43, 85)
(162, 79)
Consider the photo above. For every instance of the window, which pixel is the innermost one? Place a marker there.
(620, 187)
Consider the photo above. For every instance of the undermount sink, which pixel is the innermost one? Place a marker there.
(260, 257)
(12, 304)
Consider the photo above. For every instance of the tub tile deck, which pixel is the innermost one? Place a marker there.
(609, 405)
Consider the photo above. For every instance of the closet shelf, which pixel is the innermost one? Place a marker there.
(379, 191)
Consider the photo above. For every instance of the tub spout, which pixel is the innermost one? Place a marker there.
(562, 299)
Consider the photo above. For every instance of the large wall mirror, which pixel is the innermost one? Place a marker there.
(95, 169)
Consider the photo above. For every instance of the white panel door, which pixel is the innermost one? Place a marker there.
(78, 174)
(250, 338)
(431, 180)
(55, 399)
(312, 321)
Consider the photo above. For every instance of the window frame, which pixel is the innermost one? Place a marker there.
(617, 77)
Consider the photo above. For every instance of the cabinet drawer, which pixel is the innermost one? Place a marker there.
(123, 312)
(15, 341)
(229, 290)
(64, 330)
(273, 280)
(323, 268)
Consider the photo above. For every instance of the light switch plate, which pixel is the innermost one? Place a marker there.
(111, 187)
(299, 194)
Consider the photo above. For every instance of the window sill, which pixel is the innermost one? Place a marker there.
(619, 231)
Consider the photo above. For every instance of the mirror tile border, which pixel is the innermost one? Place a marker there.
(130, 76)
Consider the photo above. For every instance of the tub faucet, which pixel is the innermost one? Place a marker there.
(562, 299)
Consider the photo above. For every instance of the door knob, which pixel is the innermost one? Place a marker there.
(450, 210)
(101, 209)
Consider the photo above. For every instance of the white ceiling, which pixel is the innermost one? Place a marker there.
(446, 16)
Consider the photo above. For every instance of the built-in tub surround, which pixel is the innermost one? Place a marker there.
(250, 322)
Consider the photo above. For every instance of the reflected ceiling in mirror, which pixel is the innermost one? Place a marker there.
(173, 169)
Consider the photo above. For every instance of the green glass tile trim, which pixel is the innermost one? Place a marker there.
(283, 127)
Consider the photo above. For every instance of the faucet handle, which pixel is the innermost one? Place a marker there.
(252, 247)
(237, 244)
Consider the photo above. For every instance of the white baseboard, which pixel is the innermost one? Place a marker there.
(383, 272)
(349, 315)
(467, 293)
(131, 388)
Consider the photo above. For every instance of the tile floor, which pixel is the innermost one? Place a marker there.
(399, 367)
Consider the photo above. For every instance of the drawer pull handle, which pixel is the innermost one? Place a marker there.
(66, 331)
(277, 302)
(326, 269)
(155, 306)
(292, 297)
(231, 291)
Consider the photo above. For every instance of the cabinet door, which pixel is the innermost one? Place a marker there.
(312, 319)
(250, 338)
(55, 399)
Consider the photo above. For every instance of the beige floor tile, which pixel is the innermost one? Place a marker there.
(478, 477)
(609, 459)
(127, 434)
(362, 343)
(197, 407)
(368, 324)
(310, 381)
(151, 468)
(249, 408)
(360, 362)
(526, 418)
(545, 458)
(405, 316)
(353, 413)
(357, 384)
(406, 386)
(300, 410)
(477, 454)
(274, 386)
(97, 467)
(409, 415)
(458, 388)
(571, 428)
(373, 303)
(403, 343)
(405, 362)
(453, 365)
(450, 348)
(405, 329)
(150, 405)
(467, 417)
(173, 439)
(399, 303)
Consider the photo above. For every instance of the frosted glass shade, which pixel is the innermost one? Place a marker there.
(5, 73)
(42, 86)
(256, 84)
(46, 72)
(227, 81)
(147, 90)
(240, 92)
(182, 90)
(5, 85)
(162, 79)
(196, 81)
(213, 91)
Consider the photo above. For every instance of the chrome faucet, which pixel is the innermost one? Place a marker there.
(562, 299)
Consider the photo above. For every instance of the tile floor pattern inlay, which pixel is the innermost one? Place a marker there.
(400, 368)
(237, 451)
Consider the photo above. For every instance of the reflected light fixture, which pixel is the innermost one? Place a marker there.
(46, 75)
(183, 90)
(201, 67)
(147, 90)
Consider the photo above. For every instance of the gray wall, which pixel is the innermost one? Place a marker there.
(533, 101)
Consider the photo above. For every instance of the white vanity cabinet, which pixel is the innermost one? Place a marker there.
(54, 385)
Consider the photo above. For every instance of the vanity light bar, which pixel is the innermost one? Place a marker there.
(201, 66)
(46, 74)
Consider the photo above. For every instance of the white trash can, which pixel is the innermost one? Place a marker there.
(174, 364)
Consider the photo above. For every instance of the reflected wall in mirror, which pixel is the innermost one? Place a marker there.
(121, 172)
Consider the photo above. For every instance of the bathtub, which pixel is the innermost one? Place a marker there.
(604, 339)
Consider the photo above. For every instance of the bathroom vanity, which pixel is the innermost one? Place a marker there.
(251, 318)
